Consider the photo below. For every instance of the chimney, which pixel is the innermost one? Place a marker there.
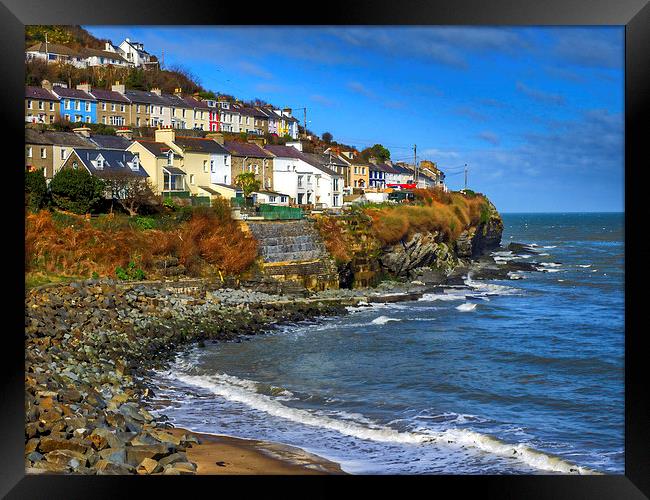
(46, 84)
(156, 91)
(166, 135)
(260, 141)
(118, 87)
(295, 144)
(287, 111)
(84, 86)
(215, 136)
(108, 47)
(178, 92)
(125, 132)
(82, 131)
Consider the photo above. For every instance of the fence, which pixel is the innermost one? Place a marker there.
(275, 212)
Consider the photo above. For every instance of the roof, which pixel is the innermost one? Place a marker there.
(284, 151)
(134, 47)
(108, 95)
(52, 137)
(174, 100)
(208, 189)
(39, 93)
(144, 97)
(317, 161)
(200, 145)
(195, 103)
(111, 141)
(358, 161)
(157, 148)
(72, 93)
(273, 193)
(174, 170)
(54, 48)
(383, 167)
(246, 149)
(88, 52)
(229, 186)
(115, 161)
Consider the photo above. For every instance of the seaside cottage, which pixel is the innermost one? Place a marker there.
(303, 177)
(55, 53)
(113, 108)
(358, 175)
(76, 106)
(250, 157)
(49, 149)
(147, 108)
(41, 105)
(161, 163)
(106, 163)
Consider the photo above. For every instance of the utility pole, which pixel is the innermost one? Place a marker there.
(465, 176)
(162, 64)
(415, 161)
(46, 58)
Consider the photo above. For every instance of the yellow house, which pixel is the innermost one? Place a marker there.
(204, 161)
(358, 175)
(162, 164)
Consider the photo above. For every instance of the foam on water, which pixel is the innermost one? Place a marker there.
(382, 320)
(357, 426)
(467, 306)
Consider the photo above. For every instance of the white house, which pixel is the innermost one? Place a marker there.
(135, 54)
(303, 179)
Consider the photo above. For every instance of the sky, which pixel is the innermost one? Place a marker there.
(536, 113)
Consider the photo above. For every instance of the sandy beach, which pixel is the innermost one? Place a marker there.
(229, 455)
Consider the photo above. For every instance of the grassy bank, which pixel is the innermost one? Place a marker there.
(204, 241)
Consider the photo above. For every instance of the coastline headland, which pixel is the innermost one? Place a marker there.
(91, 345)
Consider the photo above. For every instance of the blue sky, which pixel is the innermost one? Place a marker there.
(535, 112)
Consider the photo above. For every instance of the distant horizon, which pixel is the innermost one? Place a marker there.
(535, 112)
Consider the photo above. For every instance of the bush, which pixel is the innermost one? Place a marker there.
(76, 190)
(130, 273)
(144, 223)
(36, 195)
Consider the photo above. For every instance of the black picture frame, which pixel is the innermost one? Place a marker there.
(633, 14)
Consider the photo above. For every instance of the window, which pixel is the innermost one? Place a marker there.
(51, 106)
(77, 118)
(29, 104)
(29, 152)
(205, 165)
(88, 119)
(43, 153)
(300, 181)
(211, 165)
(100, 163)
(225, 179)
(192, 179)
(257, 169)
(63, 155)
(137, 108)
(356, 170)
(87, 106)
(112, 107)
(183, 113)
(138, 121)
(170, 158)
(75, 165)
(103, 106)
(67, 104)
(41, 105)
(104, 120)
(122, 108)
(77, 105)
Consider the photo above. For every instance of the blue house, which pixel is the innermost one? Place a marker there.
(77, 106)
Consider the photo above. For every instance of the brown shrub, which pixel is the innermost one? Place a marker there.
(336, 240)
(77, 248)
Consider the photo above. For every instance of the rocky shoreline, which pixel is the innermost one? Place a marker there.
(91, 345)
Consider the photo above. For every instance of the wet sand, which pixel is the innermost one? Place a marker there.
(228, 455)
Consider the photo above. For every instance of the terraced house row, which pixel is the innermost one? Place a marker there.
(122, 107)
(186, 167)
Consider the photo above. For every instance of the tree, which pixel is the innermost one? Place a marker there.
(378, 151)
(36, 196)
(327, 137)
(76, 190)
(248, 183)
(132, 191)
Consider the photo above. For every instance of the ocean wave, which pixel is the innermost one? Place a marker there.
(382, 320)
(244, 391)
(467, 306)
(430, 297)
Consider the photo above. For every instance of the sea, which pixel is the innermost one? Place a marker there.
(517, 376)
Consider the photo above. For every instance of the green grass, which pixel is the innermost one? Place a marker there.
(33, 280)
